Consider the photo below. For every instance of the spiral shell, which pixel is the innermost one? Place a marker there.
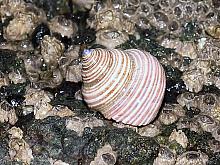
(126, 86)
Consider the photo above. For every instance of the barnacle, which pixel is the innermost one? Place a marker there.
(16, 77)
(168, 116)
(51, 50)
(63, 26)
(4, 80)
(165, 156)
(39, 100)
(186, 99)
(214, 31)
(111, 38)
(208, 103)
(150, 130)
(78, 124)
(105, 156)
(84, 4)
(198, 74)
(214, 145)
(208, 49)
(181, 47)
(19, 149)
(192, 157)
(111, 23)
(52, 65)
(216, 134)
(23, 23)
(180, 137)
(207, 123)
(7, 113)
(11, 7)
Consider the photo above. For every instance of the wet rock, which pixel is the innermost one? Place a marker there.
(14, 94)
(198, 141)
(39, 32)
(214, 159)
(7, 60)
(45, 136)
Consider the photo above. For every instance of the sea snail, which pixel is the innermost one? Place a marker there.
(127, 86)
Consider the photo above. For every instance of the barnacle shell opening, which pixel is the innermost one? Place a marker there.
(126, 86)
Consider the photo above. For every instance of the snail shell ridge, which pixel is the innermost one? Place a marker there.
(127, 86)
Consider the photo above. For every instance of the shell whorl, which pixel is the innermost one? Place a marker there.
(127, 86)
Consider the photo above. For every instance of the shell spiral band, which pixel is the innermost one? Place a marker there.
(126, 86)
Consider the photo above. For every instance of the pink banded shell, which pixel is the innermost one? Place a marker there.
(126, 86)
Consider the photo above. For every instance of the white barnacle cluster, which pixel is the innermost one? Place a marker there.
(25, 18)
(114, 21)
(7, 113)
(38, 101)
(53, 63)
(192, 157)
(78, 124)
(204, 65)
(111, 25)
(50, 63)
(207, 103)
(19, 149)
